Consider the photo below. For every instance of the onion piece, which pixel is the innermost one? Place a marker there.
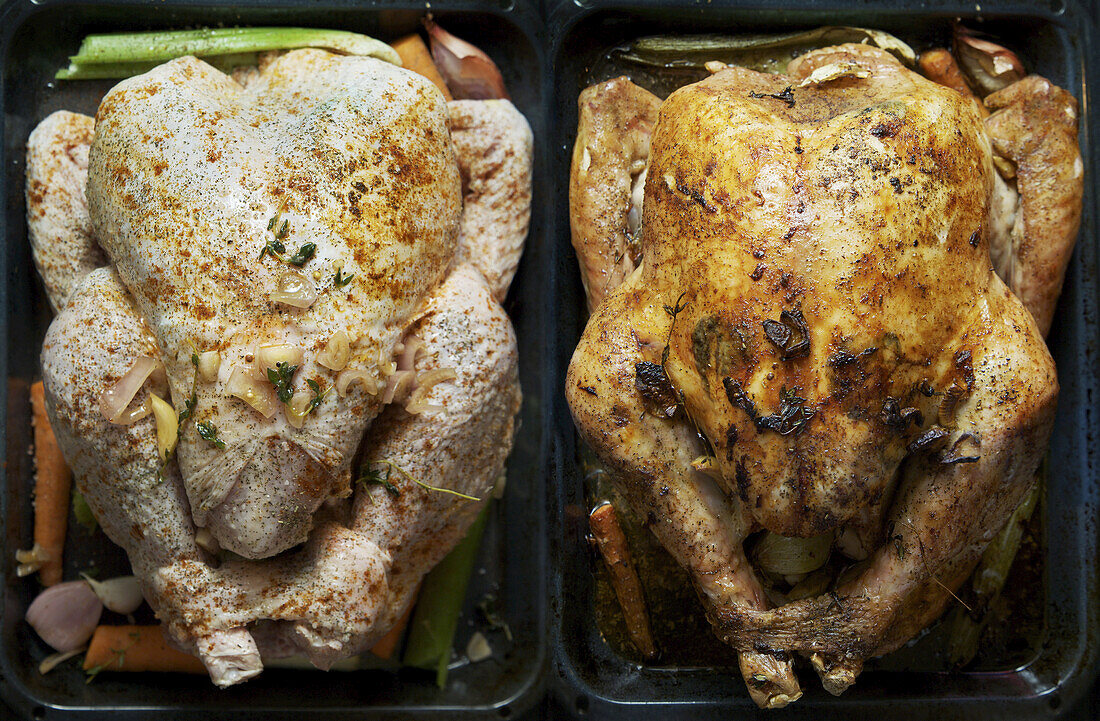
(297, 408)
(397, 385)
(478, 648)
(167, 425)
(255, 393)
(205, 540)
(114, 401)
(209, 364)
(470, 74)
(988, 66)
(336, 353)
(786, 556)
(121, 594)
(345, 379)
(270, 356)
(56, 659)
(65, 615)
(424, 384)
(409, 351)
(294, 289)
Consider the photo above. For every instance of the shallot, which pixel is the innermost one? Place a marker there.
(65, 615)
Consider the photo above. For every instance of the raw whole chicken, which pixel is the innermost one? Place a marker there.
(304, 272)
(796, 330)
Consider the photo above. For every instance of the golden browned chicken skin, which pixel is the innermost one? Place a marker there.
(816, 321)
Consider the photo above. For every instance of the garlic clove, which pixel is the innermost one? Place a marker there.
(167, 426)
(65, 615)
(121, 594)
(470, 73)
(209, 363)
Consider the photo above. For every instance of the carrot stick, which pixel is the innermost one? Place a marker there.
(939, 65)
(415, 56)
(604, 523)
(53, 481)
(388, 644)
(136, 648)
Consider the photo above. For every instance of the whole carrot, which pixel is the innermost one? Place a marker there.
(136, 648)
(388, 644)
(416, 57)
(604, 524)
(53, 482)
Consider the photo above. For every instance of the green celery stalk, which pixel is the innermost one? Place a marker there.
(122, 52)
(435, 618)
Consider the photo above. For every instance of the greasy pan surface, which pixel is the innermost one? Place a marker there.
(1055, 40)
(35, 39)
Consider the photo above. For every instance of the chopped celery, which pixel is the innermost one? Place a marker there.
(120, 55)
(435, 618)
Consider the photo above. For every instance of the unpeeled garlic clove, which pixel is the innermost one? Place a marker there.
(65, 615)
(470, 73)
(121, 594)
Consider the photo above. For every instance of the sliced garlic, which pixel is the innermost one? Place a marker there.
(418, 399)
(369, 382)
(209, 364)
(478, 649)
(270, 356)
(114, 401)
(167, 425)
(295, 289)
(336, 353)
(297, 408)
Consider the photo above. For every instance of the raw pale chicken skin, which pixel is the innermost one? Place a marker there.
(318, 216)
(815, 320)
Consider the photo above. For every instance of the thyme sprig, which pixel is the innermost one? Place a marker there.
(374, 476)
(318, 395)
(119, 658)
(209, 433)
(282, 377)
(340, 280)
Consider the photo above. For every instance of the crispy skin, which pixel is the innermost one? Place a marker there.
(1034, 124)
(816, 260)
(616, 121)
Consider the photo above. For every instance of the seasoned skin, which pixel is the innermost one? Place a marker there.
(816, 289)
(493, 145)
(58, 224)
(397, 231)
(1034, 124)
(353, 154)
(613, 131)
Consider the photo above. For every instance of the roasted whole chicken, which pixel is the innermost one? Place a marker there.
(299, 273)
(797, 333)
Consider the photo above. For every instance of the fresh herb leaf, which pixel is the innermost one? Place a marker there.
(318, 396)
(375, 477)
(274, 248)
(189, 407)
(303, 255)
(282, 231)
(342, 280)
(369, 473)
(209, 433)
(282, 376)
(82, 512)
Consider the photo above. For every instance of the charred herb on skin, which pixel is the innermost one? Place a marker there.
(789, 334)
(898, 418)
(787, 96)
(209, 433)
(791, 418)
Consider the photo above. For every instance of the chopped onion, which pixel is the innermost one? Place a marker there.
(424, 385)
(345, 379)
(209, 363)
(56, 659)
(65, 615)
(255, 393)
(114, 401)
(295, 289)
(167, 425)
(270, 356)
(470, 73)
(30, 561)
(478, 649)
(785, 556)
(298, 408)
(336, 353)
(121, 594)
(397, 385)
(409, 350)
